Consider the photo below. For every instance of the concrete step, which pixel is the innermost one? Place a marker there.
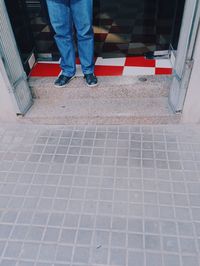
(117, 100)
(102, 111)
(109, 87)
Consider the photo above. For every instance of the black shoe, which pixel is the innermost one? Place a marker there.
(62, 81)
(91, 80)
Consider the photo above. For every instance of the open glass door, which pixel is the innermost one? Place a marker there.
(20, 23)
(137, 27)
(184, 58)
(11, 65)
(122, 27)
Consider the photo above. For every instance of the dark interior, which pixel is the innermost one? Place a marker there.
(122, 27)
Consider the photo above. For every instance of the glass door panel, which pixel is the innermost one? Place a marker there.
(20, 22)
(122, 27)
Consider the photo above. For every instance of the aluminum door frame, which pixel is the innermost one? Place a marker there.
(10, 59)
(184, 57)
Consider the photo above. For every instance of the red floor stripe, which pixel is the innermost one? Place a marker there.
(109, 70)
(163, 71)
(139, 61)
(53, 69)
(45, 70)
(78, 62)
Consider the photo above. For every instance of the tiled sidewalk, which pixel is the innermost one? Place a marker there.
(118, 196)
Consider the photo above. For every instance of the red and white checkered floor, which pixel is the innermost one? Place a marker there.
(129, 66)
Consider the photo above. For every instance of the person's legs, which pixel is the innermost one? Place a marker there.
(61, 20)
(82, 13)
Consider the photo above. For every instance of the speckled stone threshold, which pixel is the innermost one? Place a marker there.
(117, 100)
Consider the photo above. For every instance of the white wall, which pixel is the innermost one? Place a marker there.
(191, 109)
(7, 107)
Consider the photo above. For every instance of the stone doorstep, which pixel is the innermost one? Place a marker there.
(117, 100)
(109, 87)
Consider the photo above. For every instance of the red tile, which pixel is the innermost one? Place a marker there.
(45, 70)
(78, 62)
(140, 61)
(108, 70)
(163, 71)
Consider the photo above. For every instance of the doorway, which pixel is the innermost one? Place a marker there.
(122, 27)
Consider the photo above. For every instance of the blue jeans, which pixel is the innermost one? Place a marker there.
(64, 14)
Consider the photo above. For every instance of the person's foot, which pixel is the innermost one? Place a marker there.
(91, 80)
(62, 81)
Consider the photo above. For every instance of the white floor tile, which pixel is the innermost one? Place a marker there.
(110, 61)
(163, 63)
(79, 72)
(130, 71)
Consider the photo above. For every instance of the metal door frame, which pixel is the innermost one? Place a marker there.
(10, 60)
(184, 57)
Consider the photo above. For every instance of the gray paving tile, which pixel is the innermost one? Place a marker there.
(40, 218)
(19, 232)
(106, 195)
(188, 245)
(119, 223)
(103, 222)
(135, 241)
(35, 233)
(167, 212)
(151, 227)
(99, 256)
(168, 228)
(118, 239)
(8, 262)
(13, 249)
(190, 260)
(170, 244)
(55, 219)
(151, 211)
(81, 255)
(68, 236)
(101, 238)
(29, 251)
(153, 259)
(9, 216)
(64, 253)
(25, 217)
(51, 234)
(182, 213)
(185, 229)
(152, 242)
(59, 205)
(118, 257)
(5, 231)
(84, 237)
(136, 257)
(171, 260)
(135, 225)
(87, 221)
(47, 252)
